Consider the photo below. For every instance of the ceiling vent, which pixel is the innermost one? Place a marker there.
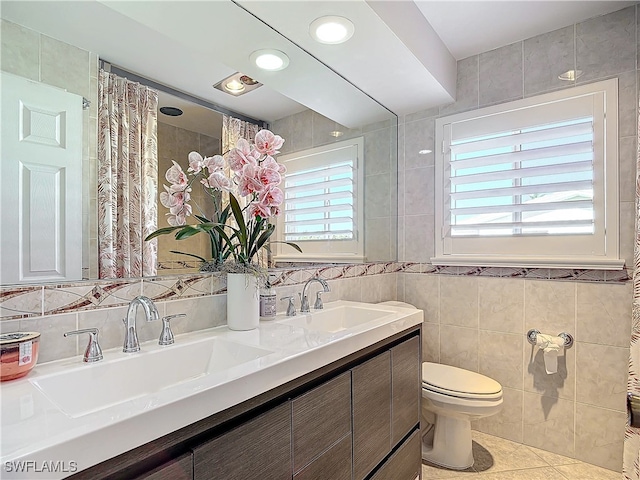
(237, 84)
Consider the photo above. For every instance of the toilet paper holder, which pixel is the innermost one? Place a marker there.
(532, 335)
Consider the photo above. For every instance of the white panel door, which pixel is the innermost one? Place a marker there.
(41, 182)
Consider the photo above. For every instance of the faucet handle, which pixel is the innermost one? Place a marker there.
(166, 335)
(304, 303)
(318, 305)
(93, 353)
(291, 308)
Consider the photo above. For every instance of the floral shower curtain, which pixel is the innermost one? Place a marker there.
(127, 177)
(631, 465)
(233, 129)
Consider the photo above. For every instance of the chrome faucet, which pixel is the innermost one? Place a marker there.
(131, 343)
(304, 301)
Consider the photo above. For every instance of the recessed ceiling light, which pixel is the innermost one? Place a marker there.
(331, 29)
(234, 86)
(272, 60)
(424, 152)
(570, 75)
(171, 111)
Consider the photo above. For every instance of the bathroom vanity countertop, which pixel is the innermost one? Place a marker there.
(36, 430)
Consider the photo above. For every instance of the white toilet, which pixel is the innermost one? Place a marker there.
(456, 397)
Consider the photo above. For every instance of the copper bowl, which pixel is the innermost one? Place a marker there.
(18, 354)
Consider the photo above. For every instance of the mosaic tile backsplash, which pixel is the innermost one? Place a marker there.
(19, 302)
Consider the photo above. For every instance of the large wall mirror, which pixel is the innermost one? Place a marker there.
(184, 49)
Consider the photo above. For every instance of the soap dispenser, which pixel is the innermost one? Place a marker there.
(267, 302)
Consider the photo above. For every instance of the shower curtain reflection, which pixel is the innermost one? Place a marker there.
(127, 177)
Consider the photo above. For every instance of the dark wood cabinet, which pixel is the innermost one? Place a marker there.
(371, 413)
(321, 417)
(334, 464)
(259, 448)
(406, 388)
(179, 469)
(405, 463)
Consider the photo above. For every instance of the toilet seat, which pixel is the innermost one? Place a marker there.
(457, 382)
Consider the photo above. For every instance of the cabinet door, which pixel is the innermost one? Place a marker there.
(405, 463)
(179, 469)
(371, 413)
(321, 417)
(259, 448)
(334, 464)
(406, 386)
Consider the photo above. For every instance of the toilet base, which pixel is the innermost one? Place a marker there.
(452, 444)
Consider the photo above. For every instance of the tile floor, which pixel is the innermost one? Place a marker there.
(500, 459)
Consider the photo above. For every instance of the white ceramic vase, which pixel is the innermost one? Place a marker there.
(243, 301)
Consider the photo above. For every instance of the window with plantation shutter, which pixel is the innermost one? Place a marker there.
(322, 210)
(531, 183)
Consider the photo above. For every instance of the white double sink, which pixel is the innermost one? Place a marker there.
(90, 388)
(89, 413)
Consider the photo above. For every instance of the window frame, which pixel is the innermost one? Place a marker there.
(598, 251)
(334, 251)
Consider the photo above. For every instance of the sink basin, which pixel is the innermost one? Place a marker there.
(337, 319)
(93, 387)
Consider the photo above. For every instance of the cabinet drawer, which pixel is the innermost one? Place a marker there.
(334, 464)
(321, 417)
(179, 469)
(371, 413)
(405, 463)
(406, 388)
(259, 448)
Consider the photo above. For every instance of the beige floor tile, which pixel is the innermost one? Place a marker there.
(499, 455)
(434, 472)
(584, 471)
(544, 473)
(553, 459)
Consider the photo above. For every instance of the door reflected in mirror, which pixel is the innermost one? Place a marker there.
(48, 42)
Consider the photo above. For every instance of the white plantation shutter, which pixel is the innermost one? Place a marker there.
(319, 203)
(323, 206)
(527, 182)
(531, 183)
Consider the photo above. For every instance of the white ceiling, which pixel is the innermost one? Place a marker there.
(403, 53)
(471, 27)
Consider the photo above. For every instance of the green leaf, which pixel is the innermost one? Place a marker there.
(291, 244)
(237, 214)
(163, 231)
(262, 239)
(189, 254)
(188, 231)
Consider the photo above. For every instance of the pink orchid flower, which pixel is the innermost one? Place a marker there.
(269, 177)
(256, 209)
(171, 198)
(271, 163)
(248, 181)
(242, 155)
(268, 143)
(218, 181)
(178, 215)
(213, 164)
(271, 197)
(177, 177)
(275, 211)
(196, 162)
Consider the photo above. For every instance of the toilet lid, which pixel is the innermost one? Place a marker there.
(458, 382)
